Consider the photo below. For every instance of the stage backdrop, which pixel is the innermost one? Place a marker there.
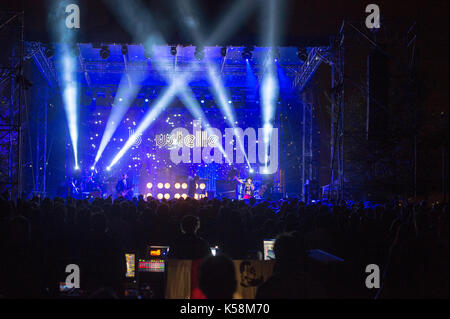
(182, 278)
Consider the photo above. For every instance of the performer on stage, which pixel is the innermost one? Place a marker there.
(248, 188)
(124, 187)
(233, 177)
(192, 185)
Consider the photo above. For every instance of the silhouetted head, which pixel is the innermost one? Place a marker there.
(189, 224)
(288, 249)
(217, 277)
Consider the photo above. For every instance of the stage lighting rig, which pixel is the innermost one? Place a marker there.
(173, 50)
(199, 53)
(124, 50)
(302, 54)
(104, 52)
(247, 53)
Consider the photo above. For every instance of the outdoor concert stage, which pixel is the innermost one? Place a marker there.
(226, 91)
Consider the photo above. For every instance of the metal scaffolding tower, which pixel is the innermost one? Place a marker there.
(12, 83)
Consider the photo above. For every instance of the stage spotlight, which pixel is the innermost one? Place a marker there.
(146, 100)
(199, 53)
(124, 50)
(302, 54)
(275, 53)
(184, 196)
(77, 168)
(184, 186)
(196, 185)
(149, 185)
(167, 185)
(160, 185)
(176, 196)
(173, 50)
(92, 168)
(160, 196)
(202, 196)
(104, 52)
(202, 101)
(247, 53)
(202, 186)
(196, 196)
(251, 170)
(223, 52)
(166, 196)
(149, 195)
(177, 185)
(74, 50)
(148, 53)
(108, 168)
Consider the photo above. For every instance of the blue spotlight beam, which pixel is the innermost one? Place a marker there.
(70, 100)
(127, 92)
(67, 58)
(138, 21)
(194, 108)
(134, 17)
(186, 96)
(158, 107)
(225, 107)
(240, 10)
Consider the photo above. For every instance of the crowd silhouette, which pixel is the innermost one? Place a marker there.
(409, 241)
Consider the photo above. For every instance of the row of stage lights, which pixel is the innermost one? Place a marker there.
(160, 185)
(199, 53)
(179, 186)
(176, 196)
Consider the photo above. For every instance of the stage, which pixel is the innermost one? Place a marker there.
(248, 109)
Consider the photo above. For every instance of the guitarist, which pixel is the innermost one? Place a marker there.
(124, 187)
